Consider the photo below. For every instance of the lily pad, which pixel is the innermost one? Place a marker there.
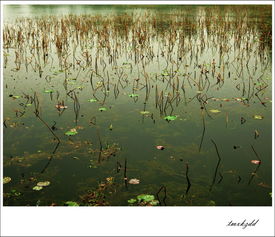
(133, 95)
(6, 180)
(258, 117)
(215, 111)
(144, 112)
(92, 100)
(71, 204)
(145, 198)
(102, 109)
(43, 184)
(170, 117)
(28, 105)
(48, 91)
(16, 97)
(37, 188)
(15, 193)
(154, 202)
(71, 132)
(211, 203)
(132, 201)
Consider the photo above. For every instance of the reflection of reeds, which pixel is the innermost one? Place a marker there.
(217, 166)
(165, 195)
(258, 166)
(76, 107)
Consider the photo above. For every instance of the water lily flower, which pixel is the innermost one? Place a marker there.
(160, 147)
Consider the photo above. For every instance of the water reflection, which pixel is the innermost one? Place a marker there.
(106, 89)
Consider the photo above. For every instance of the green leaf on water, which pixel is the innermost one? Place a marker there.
(71, 204)
(211, 203)
(170, 117)
(43, 184)
(71, 132)
(28, 105)
(145, 198)
(37, 188)
(6, 180)
(92, 100)
(48, 91)
(154, 202)
(165, 73)
(132, 201)
(144, 112)
(15, 193)
(16, 97)
(215, 111)
(133, 95)
(102, 109)
(258, 117)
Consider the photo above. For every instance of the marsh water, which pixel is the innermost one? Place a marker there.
(111, 102)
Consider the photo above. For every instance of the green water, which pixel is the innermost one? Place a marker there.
(199, 58)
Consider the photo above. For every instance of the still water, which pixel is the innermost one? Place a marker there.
(109, 105)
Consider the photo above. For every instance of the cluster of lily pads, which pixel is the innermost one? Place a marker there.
(143, 200)
(41, 185)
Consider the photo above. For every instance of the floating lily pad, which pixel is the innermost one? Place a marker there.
(132, 201)
(37, 188)
(102, 109)
(144, 112)
(48, 91)
(6, 180)
(215, 111)
(71, 204)
(28, 105)
(92, 100)
(15, 193)
(165, 73)
(211, 203)
(154, 202)
(16, 97)
(145, 198)
(43, 184)
(133, 95)
(170, 117)
(258, 117)
(71, 132)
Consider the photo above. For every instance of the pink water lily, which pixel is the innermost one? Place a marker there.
(256, 162)
(160, 147)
